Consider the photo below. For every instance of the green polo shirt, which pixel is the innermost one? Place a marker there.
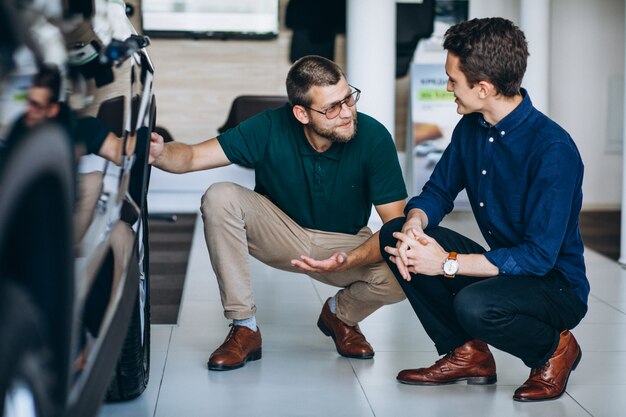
(331, 191)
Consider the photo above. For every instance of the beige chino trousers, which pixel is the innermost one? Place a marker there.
(239, 222)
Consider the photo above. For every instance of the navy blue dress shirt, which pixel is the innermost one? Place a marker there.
(523, 178)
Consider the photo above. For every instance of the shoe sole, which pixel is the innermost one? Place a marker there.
(254, 356)
(473, 380)
(327, 332)
(533, 400)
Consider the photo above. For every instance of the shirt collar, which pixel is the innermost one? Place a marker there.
(305, 148)
(334, 152)
(513, 119)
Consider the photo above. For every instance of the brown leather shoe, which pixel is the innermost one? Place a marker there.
(241, 345)
(549, 382)
(471, 362)
(349, 340)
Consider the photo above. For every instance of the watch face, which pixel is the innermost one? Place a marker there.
(450, 267)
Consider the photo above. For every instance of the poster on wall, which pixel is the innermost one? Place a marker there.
(433, 117)
(432, 111)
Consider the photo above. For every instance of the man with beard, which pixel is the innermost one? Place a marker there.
(317, 177)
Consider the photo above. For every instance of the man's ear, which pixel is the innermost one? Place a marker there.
(301, 114)
(54, 110)
(485, 89)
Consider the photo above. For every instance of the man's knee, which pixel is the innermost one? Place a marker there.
(392, 292)
(476, 312)
(218, 195)
(396, 293)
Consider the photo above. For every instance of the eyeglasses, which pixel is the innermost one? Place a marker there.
(36, 105)
(334, 109)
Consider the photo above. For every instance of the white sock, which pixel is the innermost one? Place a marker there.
(332, 304)
(250, 323)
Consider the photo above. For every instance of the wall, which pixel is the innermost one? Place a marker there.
(588, 49)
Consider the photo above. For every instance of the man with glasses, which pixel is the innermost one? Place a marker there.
(317, 177)
(43, 104)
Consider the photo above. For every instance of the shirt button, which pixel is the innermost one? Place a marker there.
(484, 172)
(502, 133)
(489, 231)
(482, 204)
(490, 139)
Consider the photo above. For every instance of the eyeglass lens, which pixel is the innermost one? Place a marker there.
(36, 105)
(350, 101)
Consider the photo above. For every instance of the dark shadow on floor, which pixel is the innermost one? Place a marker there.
(170, 243)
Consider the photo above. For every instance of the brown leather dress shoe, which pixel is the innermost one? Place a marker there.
(549, 382)
(349, 340)
(241, 345)
(471, 362)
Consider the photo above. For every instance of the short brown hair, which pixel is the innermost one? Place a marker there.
(491, 49)
(309, 71)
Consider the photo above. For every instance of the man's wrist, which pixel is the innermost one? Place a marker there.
(415, 216)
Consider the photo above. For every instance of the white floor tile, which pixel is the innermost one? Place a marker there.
(272, 386)
(605, 312)
(600, 400)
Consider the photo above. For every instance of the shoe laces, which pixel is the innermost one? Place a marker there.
(450, 357)
(232, 331)
(543, 371)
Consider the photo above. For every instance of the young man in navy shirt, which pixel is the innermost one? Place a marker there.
(523, 175)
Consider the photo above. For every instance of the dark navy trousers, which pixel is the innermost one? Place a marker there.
(521, 315)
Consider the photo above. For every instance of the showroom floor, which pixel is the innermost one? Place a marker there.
(302, 375)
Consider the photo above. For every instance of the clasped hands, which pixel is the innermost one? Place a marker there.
(416, 252)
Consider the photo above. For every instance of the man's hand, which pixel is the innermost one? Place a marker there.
(337, 262)
(156, 147)
(412, 228)
(423, 255)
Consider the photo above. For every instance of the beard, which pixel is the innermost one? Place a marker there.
(330, 134)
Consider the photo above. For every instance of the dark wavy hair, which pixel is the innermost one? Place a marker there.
(491, 49)
(309, 71)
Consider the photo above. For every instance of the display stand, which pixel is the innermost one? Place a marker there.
(432, 114)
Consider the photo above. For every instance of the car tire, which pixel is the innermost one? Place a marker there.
(36, 264)
(133, 367)
(26, 380)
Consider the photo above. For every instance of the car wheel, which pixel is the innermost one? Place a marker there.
(36, 268)
(133, 367)
(26, 379)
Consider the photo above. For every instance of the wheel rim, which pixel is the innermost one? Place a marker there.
(19, 401)
(142, 278)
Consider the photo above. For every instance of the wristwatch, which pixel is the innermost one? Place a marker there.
(451, 265)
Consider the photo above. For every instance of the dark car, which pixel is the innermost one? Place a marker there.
(74, 279)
